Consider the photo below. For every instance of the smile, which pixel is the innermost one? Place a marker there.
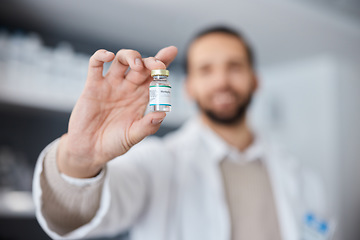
(223, 98)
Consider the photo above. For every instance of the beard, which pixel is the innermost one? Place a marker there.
(237, 116)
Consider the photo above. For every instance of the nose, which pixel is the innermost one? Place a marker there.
(221, 79)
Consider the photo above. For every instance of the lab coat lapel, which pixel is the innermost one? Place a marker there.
(203, 200)
(283, 181)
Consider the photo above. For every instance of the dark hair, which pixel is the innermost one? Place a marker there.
(224, 30)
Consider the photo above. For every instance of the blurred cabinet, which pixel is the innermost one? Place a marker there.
(35, 75)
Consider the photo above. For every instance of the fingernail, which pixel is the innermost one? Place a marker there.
(138, 62)
(157, 121)
(157, 60)
(107, 52)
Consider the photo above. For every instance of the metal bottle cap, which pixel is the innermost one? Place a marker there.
(160, 72)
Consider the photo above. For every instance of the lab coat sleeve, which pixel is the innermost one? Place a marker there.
(104, 207)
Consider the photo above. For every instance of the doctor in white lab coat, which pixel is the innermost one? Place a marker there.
(215, 178)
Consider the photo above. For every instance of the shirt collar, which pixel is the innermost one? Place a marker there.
(220, 149)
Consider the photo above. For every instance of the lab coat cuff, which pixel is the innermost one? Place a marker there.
(86, 229)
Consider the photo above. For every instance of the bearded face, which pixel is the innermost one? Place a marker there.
(220, 78)
(226, 115)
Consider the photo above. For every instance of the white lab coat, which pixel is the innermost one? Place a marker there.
(171, 189)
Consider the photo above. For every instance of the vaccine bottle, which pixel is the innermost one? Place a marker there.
(160, 91)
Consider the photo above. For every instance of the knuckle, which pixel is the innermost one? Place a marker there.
(96, 54)
(100, 51)
(128, 52)
(92, 58)
(120, 52)
(133, 52)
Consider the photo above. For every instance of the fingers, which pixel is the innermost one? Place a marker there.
(140, 68)
(96, 63)
(146, 126)
(124, 59)
(167, 55)
(150, 63)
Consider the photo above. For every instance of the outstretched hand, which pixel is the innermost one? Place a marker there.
(108, 118)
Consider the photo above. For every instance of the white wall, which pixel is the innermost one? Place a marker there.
(312, 105)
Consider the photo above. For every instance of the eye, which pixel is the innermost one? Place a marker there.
(235, 66)
(205, 70)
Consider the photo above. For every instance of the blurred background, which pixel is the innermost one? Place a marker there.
(308, 60)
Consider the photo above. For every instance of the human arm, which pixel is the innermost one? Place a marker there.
(108, 119)
(104, 124)
(107, 206)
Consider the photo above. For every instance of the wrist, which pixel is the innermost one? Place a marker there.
(72, 165)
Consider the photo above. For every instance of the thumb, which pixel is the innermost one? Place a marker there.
(146, 126)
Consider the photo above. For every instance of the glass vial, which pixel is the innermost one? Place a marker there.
(160, 91)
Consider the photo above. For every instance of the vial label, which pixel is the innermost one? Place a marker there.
(160, 95)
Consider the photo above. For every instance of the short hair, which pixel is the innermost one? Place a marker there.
(225, 30)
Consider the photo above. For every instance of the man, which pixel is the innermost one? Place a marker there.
(212, 179)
